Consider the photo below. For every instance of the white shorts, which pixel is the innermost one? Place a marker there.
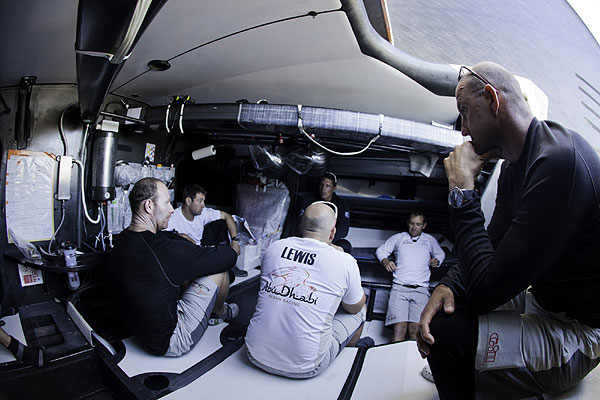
(522, 344)
(193, 311)
(406, 304)
(344, 327)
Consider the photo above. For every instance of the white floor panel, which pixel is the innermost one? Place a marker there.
(236, 378)
(251, 274)
(394, 372)
(138, 361)
(376, 331)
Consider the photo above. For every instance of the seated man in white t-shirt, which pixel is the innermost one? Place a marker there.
(189, 219)
(296, 331)
(415, 252)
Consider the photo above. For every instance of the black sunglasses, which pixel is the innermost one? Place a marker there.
(462, 73)
(464, 70)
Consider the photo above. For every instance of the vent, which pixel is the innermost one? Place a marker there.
(590, 102)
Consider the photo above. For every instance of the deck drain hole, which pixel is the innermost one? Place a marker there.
(156, 382)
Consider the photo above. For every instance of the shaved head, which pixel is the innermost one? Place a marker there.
(502, 79)
(317, 222)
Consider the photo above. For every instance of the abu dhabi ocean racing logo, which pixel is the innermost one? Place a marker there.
(291, 282)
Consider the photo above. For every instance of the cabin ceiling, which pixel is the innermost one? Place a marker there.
(38, 38)
(224, 51)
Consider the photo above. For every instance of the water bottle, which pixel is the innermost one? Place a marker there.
(69, 251)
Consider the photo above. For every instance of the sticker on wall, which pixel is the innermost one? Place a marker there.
(149, 156)
(30, 276)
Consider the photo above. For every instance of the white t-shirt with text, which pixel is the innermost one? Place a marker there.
(302, 284)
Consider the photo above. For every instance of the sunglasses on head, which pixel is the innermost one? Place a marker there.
(330, 204)
(466, 70)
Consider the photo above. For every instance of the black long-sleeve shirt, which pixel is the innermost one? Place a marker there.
(545, 231)
(144, 272)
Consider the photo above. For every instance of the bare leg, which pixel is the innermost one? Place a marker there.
(413, 330)
(356, 336)
(4, 338)
(222, 281)
(399, 332)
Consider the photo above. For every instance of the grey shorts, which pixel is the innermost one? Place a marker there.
(193, 311)
(345, 326)
(522, 345)
(406, 304)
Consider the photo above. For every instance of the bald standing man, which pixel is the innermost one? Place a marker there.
(310, 304)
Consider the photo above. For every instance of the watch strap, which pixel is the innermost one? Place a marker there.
(457, 196)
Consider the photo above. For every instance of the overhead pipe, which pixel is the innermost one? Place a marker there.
(440, 79)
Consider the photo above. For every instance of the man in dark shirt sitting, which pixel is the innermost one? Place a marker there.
(148, 266)
(521, 310)
(327, 193)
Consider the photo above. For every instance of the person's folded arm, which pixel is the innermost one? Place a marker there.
(538, 234)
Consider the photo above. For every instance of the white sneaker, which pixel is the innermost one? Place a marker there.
(426, 373)
(231, 311)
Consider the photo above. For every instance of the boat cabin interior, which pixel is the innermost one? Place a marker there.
(253, 100)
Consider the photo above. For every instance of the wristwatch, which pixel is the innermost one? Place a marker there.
(237, 239)
(457, 196)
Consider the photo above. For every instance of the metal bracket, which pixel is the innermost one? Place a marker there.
(23, 117)
(63, 190)
(4, 105)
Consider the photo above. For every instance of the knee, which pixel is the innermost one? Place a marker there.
(220, 278)
(457, 330)
(442, 325)
(400, 327)
(413, 329)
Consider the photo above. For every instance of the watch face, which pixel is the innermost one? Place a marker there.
(456, 197)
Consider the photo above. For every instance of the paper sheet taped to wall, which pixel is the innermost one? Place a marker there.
(29, 191)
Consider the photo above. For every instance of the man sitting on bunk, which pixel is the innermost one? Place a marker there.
(296, 331)
(192, 217)
(414, 253)
(148, 266)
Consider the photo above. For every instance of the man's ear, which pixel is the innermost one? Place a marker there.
(148, 206)
(424, 225)
(188, 201)
(332, 233)
(495, 99)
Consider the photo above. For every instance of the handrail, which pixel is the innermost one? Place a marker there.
(135, 24)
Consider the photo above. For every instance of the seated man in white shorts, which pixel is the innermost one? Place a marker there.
(415, 252)
(298, 328)
(147, 268)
